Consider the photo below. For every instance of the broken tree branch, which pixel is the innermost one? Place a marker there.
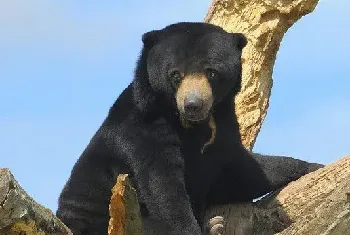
(20, 214)
(124, 209)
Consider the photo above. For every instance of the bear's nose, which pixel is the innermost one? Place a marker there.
(193, 104)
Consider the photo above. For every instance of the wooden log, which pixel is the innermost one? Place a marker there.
(318, 203)
(21, 215)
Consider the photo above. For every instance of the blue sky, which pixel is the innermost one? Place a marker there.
(63, 63)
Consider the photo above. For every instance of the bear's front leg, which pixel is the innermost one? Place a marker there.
(251, 176)
(162, 188)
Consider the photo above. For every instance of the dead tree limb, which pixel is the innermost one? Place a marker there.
(20, 214)
(264, 23)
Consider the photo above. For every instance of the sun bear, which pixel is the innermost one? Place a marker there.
(175, 132)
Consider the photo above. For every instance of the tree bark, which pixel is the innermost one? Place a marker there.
(264, 23)
(316, 204)
(21, 215)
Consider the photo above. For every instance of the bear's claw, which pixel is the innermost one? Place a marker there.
(216, 225)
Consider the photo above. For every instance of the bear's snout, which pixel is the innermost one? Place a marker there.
(193, 102)
(194, 97)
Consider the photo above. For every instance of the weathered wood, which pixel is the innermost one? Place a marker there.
(124, 210)
(264, 23)
(316, 204)
(20, 214)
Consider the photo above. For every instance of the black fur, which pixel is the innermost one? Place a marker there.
(144, 137)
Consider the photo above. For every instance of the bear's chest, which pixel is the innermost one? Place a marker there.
(202, 164)
(206, 150)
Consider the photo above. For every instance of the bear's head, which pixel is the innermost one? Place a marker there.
(188, 68)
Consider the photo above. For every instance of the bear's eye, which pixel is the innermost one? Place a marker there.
(212, 74)
(176, 75)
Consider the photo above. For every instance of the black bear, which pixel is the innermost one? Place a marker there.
(175, 132)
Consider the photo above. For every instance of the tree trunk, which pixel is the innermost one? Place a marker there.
(21, 215)
(264, 23)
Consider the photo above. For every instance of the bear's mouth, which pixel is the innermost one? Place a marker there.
(194, 98)
(195, 117)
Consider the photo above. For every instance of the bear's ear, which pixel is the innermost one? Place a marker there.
(150, 38)
(240, 40)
